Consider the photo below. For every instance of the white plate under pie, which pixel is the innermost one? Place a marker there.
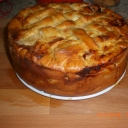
(68, 97)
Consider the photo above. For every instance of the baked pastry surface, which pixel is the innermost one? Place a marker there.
(70, 48)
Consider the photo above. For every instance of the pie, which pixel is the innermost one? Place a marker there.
(68, 49)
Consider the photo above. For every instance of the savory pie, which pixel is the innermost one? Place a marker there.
(68, 49)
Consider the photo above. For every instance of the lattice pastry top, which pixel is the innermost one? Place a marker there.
(68, 36)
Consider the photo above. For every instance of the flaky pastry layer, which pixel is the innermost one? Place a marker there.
(68, 37)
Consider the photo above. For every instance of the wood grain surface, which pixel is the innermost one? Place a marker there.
(22, 108)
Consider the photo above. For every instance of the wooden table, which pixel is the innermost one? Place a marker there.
(22, 108)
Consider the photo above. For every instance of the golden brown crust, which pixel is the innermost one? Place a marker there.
(65, 36)
(73, 41)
